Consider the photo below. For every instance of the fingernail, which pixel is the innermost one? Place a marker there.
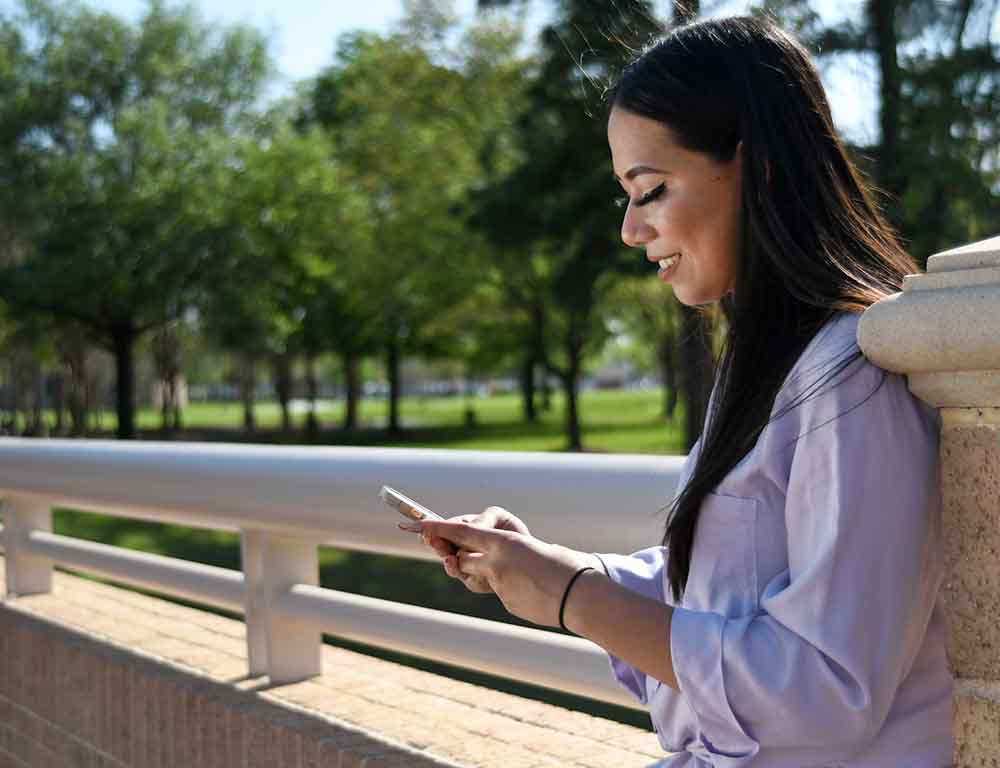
(413, 527)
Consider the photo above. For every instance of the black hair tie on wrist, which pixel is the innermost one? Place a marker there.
(562, 605)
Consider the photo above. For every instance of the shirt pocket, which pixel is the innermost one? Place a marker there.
(723, 574)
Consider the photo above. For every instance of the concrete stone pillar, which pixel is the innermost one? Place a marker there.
(943, 331)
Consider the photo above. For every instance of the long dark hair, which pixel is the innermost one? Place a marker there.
(814, 242)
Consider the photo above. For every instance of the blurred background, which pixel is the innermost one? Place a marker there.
(392, 223)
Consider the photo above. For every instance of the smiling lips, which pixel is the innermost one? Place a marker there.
(668, 262)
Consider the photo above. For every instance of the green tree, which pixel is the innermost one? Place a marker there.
(555, 205)
(937, 68)
(293, 230)
(652, 318)
(122, 129)
(408, 130)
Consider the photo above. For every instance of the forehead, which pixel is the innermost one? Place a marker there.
(638, 140)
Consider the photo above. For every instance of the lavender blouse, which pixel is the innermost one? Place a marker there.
(811, 631)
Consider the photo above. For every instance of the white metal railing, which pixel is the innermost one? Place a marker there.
(285, 501)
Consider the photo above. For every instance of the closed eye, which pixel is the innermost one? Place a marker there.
(654, 193)
(649, 197)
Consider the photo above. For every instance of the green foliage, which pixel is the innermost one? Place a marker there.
(415, 128)
(119, 134)
(938, 156)
(552, 215)
(647, 314)
(293, 229)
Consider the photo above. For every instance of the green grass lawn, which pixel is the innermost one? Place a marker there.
(612, 421)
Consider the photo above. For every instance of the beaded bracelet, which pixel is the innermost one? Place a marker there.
(562, 605)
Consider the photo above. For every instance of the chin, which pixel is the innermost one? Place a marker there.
(689, 299)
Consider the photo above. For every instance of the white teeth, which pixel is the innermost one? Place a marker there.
(668, 262)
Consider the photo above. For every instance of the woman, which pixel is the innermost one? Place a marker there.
(792, 616)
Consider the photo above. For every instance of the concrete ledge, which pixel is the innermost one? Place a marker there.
(945, 321)
(92, 675)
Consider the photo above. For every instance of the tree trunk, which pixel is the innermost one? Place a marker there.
(123, 342)
(165, 407)
(538, 321)
(352, 382)
(15, 399)
(392, 371)
(696, 374)
(574, 355)
(59, 402)
(668, 374)
(177, 408)
(312, 421)
(77, 408)
(574, 440)
(882, 17)
(528, 390)
(75, 359)
(38, 426)
(248, 383)
(283, 388)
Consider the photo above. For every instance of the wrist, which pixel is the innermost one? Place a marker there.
(580, 602)
(565, 595)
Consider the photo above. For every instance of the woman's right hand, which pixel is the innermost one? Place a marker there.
(491, 517)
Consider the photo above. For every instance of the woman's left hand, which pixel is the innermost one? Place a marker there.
(527, 574)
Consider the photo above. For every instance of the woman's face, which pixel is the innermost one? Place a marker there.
(680, 204)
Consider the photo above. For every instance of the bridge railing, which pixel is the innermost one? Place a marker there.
(285, 502)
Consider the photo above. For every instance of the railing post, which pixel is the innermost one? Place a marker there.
(254, 600)
(26, 574)
(284, 648)
(943, 331)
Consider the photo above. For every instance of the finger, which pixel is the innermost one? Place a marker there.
(476, 584)
(494, 512)
(440, 546)
(451, 567)
(463, 534)
(472, 563)
(411, 527)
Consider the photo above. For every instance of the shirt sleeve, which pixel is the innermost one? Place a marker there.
(820, 662)
(640, 572)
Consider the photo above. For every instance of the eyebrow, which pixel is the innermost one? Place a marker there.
(638, 170)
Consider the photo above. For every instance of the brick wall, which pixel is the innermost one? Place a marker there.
(92, 676)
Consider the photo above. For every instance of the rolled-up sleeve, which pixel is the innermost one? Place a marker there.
(820, 661)
(640, 572)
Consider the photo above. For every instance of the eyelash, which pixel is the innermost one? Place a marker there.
(649, 197)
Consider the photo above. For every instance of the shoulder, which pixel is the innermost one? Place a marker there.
(834, 345)
(833, 378)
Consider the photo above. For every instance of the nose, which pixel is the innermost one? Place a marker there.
(635, 231)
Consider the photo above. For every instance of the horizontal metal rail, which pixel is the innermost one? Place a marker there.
(285, 501)
(221, 587)
(607, 503)
(543, 658)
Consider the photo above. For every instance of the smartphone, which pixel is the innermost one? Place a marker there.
(405, 505)
(409, 508)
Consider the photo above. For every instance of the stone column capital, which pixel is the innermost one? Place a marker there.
(943, 329)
